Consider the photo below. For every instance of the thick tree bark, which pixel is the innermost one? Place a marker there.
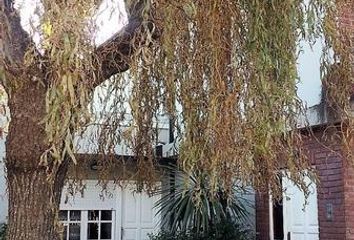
(33, 204)
(33, 197)
(34, 190)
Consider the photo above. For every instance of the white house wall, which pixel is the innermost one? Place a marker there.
(85, 144)
(88, 142)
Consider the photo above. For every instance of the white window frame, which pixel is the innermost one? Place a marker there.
(99, 221)
(85, 221)
(115, 206)
(66, 223)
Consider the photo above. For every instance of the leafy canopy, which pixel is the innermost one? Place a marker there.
(224, 71)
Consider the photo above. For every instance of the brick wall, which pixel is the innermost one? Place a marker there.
(347, 23)
(262, 216)
(330, 168)
(329, 165)
(349, 199)
(336, 175)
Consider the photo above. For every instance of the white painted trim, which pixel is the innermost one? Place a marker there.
(118, 217)
(285, 215)
(84, 217)
(271, 220)
(121, 226)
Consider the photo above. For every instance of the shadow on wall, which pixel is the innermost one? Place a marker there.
(249, 201)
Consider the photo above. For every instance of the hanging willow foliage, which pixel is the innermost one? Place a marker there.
(67, 44)
(338, 74)
(224, 70)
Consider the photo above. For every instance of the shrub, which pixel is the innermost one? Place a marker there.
(222, 231)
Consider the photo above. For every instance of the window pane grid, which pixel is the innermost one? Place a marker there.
(71, 221)
(101, 221)
(87, 224)
(99, 229)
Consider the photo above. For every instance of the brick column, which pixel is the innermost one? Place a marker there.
(262, 216)
(346, 20)
(330, 192)
(349, 200)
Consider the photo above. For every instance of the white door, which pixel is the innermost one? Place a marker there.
(300, 221)
(138, 215)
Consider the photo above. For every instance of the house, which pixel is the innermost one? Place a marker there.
(115, 211)
(97, 212)
(103, 208)
(120, 213)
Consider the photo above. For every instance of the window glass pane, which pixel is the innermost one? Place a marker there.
(63, 215)
(93, 215)
(92, 231)
(74, 231)
(106, 215)
(65, 233)
(106, 230)
(75, 215)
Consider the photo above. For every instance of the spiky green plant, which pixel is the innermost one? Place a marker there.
(188, 203)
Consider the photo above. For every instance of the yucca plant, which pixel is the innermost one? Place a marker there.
(187, 203)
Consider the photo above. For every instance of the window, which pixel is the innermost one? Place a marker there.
(87, 225)
(71, 221)
(99, 225)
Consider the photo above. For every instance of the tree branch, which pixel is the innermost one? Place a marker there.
(14, 43)
(113, 56)
(14, 40)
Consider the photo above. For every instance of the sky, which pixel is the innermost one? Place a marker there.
(110, 17)
(111, 13)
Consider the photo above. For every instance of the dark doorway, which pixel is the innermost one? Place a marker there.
(278, 220)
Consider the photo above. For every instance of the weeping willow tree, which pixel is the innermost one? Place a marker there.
(224, 71)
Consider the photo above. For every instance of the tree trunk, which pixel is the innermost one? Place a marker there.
(34, 189)
(33, 204)
(33, 199)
